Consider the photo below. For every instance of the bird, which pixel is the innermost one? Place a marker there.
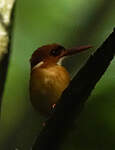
(48, 77)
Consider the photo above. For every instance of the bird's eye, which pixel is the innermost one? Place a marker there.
(57, 51)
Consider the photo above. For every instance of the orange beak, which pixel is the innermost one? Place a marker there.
(74, 50)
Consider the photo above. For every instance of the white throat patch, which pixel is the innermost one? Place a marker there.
(60, 61)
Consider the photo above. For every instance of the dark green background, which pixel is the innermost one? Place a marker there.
(70, 23)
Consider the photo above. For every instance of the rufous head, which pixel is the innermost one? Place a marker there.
(53, 53)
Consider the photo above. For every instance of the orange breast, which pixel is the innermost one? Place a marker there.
(46, 86)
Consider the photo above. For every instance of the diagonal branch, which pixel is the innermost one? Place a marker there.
(74, 97)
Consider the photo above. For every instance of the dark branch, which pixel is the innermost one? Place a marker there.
(5, 60)
(75, 96)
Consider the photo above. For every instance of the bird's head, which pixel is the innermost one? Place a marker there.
(53, 53)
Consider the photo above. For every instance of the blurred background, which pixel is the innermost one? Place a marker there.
(70, 23)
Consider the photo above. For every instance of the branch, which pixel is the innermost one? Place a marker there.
(74, 97)
(5, 41)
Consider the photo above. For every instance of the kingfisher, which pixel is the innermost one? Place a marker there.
(48, 78)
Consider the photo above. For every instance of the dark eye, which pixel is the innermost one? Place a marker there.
(57, 51)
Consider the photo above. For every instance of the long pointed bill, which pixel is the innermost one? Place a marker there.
(74, 50)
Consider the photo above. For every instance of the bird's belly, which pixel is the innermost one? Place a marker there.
(46, 87)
